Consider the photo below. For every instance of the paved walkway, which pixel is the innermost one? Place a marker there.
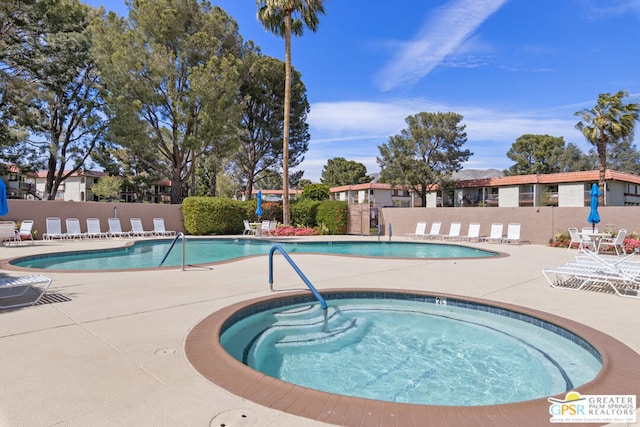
(113, 353)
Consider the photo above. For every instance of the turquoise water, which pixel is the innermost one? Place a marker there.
(149, 254)
(413, 352)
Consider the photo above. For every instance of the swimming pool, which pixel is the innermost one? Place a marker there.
(414, 349)
(206, 354)
(149, 254)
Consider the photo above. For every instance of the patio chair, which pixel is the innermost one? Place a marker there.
(513, 234)
(115, 228)
(421, 228)
(8, 233)
(617, 243)
(22, 285)
(454, 232)
(473, 233)
(137, 229)
(73, 229)
(495, 235)
(54, 229)
(94, 229)
(434, 232)
(248, 229)
(578, 241)
(26, 231)
(159, 229)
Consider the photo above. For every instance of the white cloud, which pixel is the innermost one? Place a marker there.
(443, 33)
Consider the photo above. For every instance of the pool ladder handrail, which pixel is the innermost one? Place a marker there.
(286, 256)
(179, 235)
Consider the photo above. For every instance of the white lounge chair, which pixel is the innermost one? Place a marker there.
(617, 243)
(473, 233)
(513, 234)
(495, 235)
(115, 228)
(159, 229)
(26, 231)
(137, 229)
(73, 229)
(248, 229)
(421, 228)
(94, 229)
(454, 232)
(8, 233)
(434, 232)
(15, 287)
(54, 229)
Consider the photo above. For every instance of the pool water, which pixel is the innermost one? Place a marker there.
(149, 254)
(439, 353)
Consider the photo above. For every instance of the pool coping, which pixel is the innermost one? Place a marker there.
(620, 374)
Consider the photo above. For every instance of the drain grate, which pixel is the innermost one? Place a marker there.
(53, 299)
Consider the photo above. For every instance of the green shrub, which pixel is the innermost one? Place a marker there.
(333, 215)
(316, 192)
(304, 212)
(213, 215)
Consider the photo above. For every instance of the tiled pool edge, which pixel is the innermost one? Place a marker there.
(620, 375)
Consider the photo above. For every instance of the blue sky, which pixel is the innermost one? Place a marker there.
(510, 67)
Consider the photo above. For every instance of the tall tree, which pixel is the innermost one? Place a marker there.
(54, 83)
(624, 157)
(171, 72)
(610, 121)
(261, 145)
(534, 154)
(425, 154)
(287, 17)
(340, 171)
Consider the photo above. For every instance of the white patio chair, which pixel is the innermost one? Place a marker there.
(578, 241)
(513, 234)
(73, 229)
(421, 228)
(54, 229)
(26, 231)
(115, 228)
(159, 229)
(473, 233)
(495, 235)
(617, 243)
(94, 229)
(454, 232)
(137, 229)
(248, 229)
(22, 285)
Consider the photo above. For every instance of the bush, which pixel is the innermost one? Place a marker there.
(333, 215)
(287, 230)
(303, 213)
(213, 215)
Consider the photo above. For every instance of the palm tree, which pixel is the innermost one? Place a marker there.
(284, 17)
(609, 122)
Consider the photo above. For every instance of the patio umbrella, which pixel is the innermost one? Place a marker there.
(594, 218)
(4, 207)
(259, 204)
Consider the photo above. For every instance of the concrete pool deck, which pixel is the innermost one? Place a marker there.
(112, 351)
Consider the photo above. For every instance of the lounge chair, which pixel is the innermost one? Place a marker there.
(54, 229)
(73, 229)
(495, 236)
(421, 228)
(454, 232)
(137, 229)
(617, 243)
(26, 231)
(473, 233)
(434, 232)
(513, 234)
(8, 233)
(21, 285)
(94, 229)
(159, 229)
(115, 228)
(248, 229)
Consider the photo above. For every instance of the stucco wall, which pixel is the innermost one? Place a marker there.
(538, 225)
(39, 210)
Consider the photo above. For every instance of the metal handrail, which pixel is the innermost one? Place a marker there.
(286, 256)
(184, 241)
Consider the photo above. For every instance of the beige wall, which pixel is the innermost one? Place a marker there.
(538, 225)
(39, 210)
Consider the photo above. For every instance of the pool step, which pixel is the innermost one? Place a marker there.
(334, 338)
